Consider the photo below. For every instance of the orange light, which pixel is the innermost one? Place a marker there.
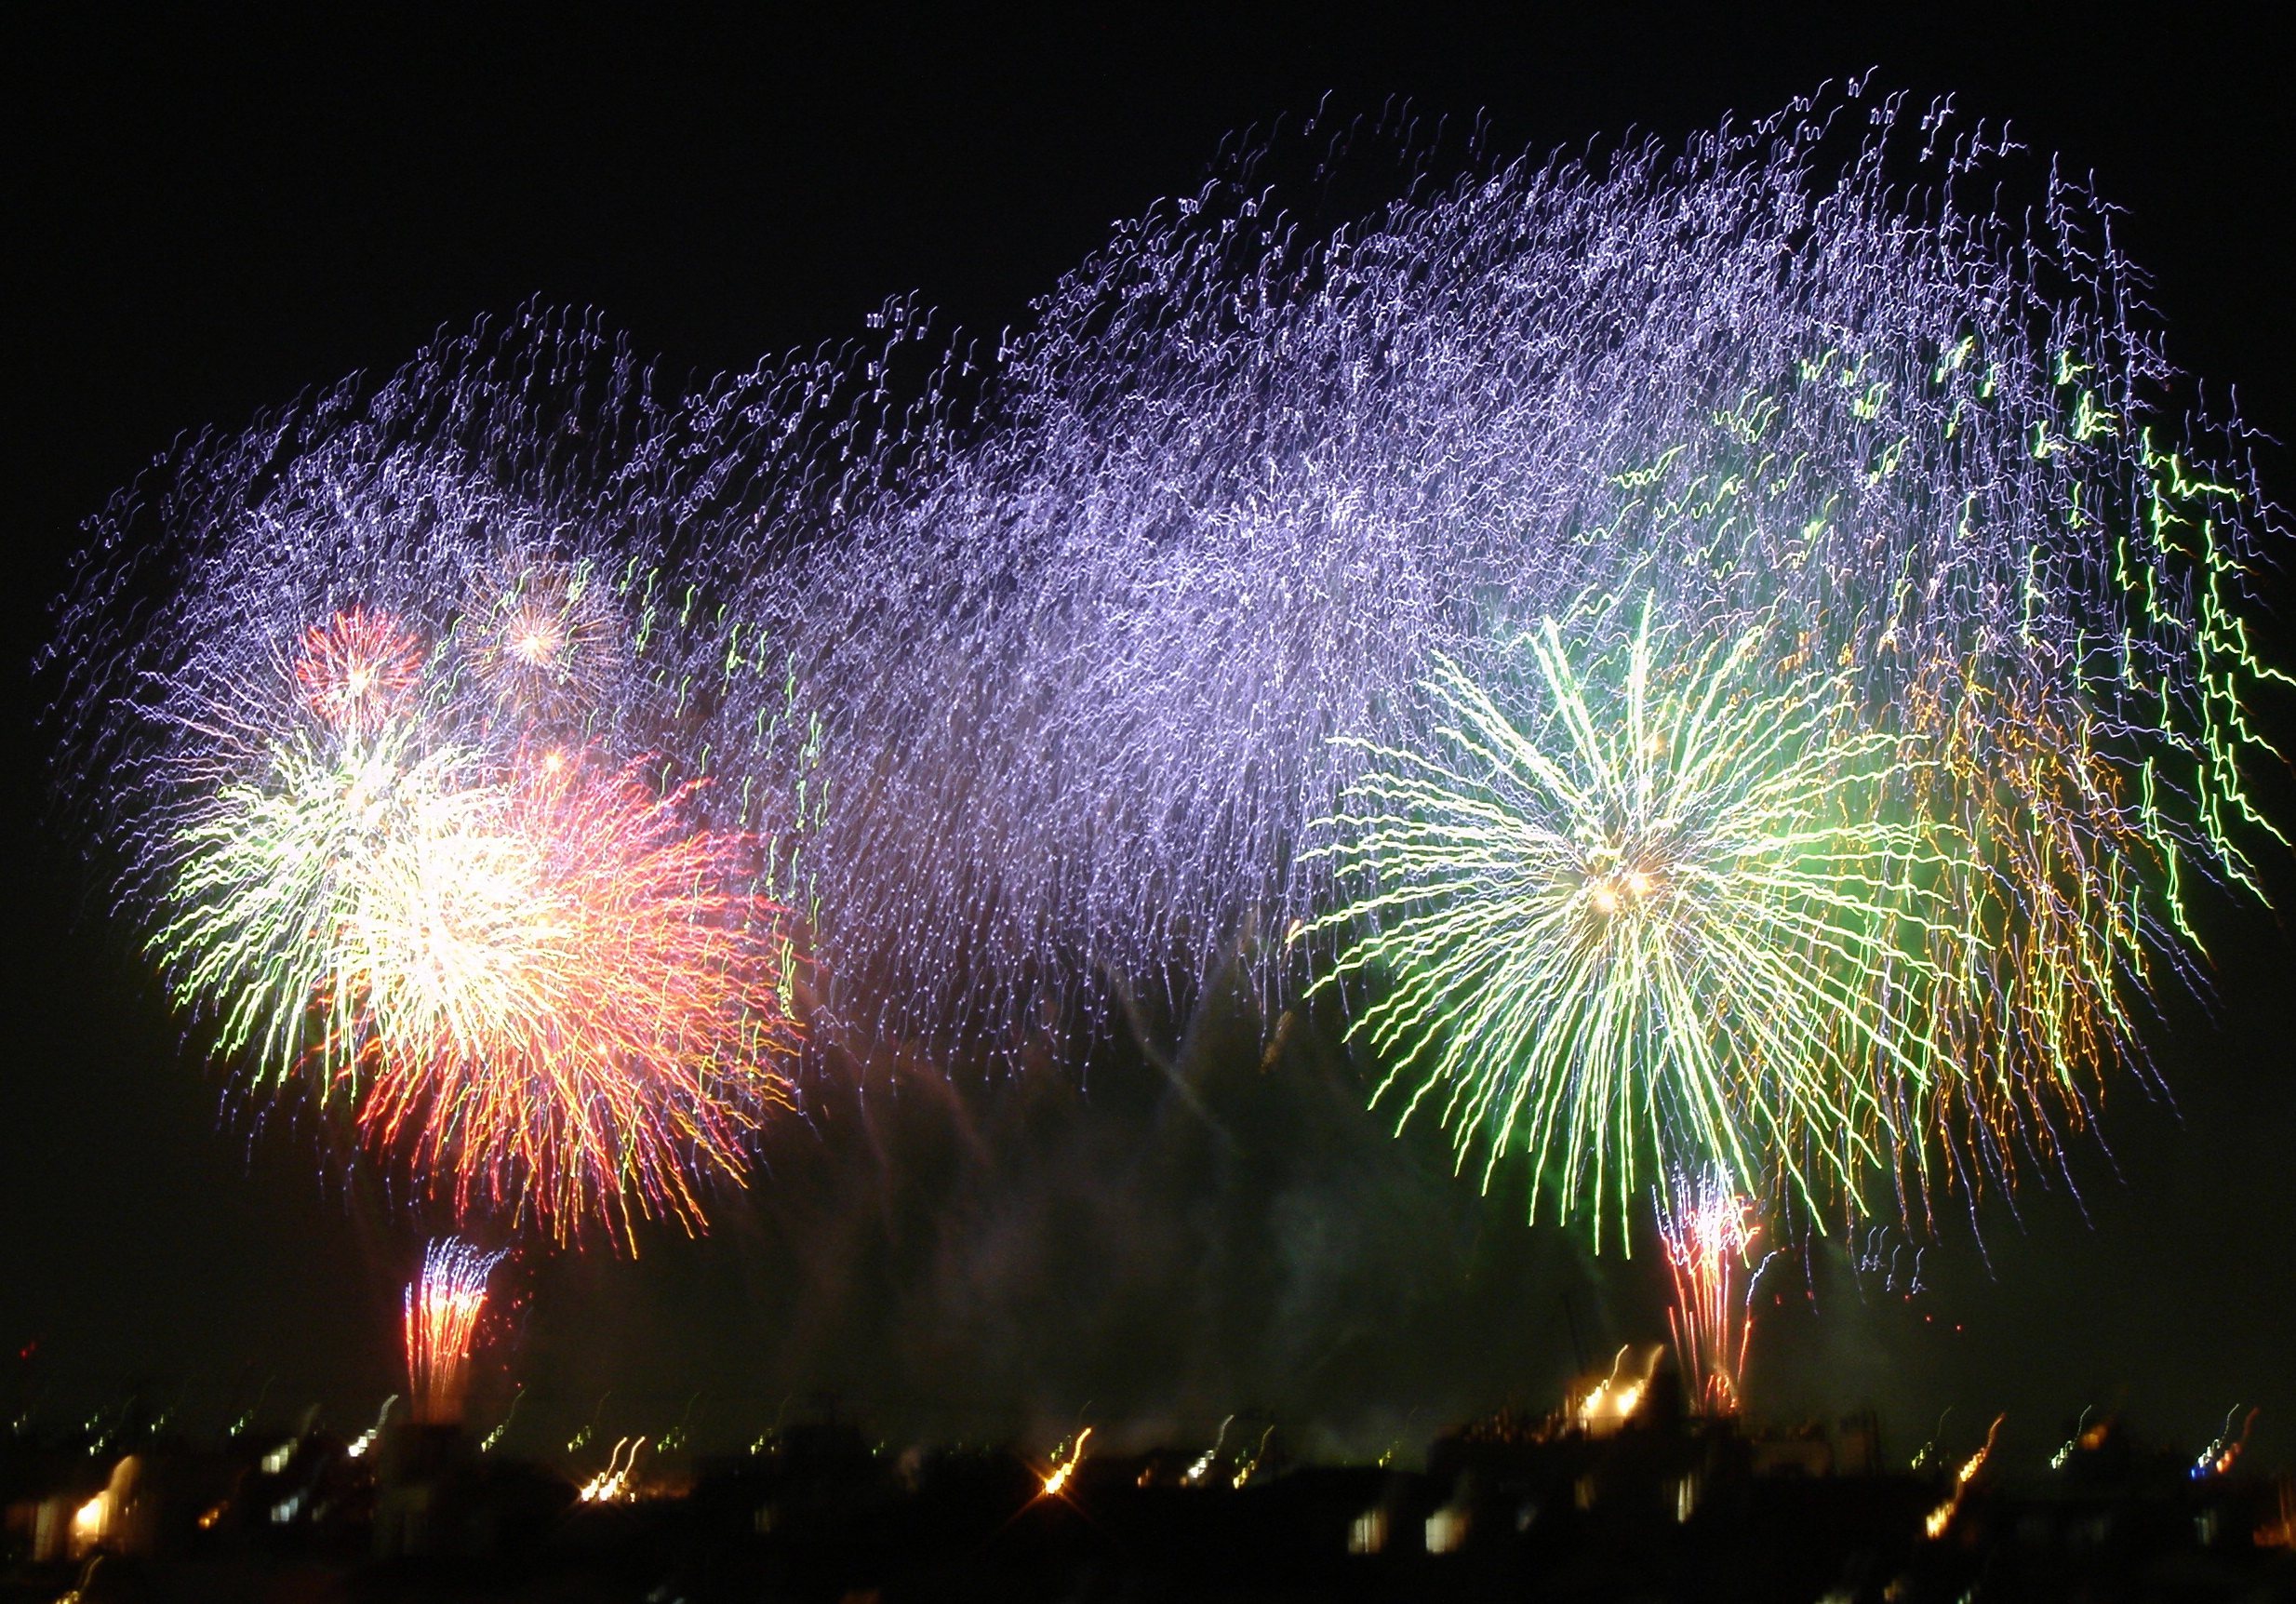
(1942, 1515)
(1067, 1467)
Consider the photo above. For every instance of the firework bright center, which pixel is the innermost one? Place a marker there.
(1621, 891)
(535, 645)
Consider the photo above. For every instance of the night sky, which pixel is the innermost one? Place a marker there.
(204, 220)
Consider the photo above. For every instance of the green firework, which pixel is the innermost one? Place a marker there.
(1676, 922)
(267, 874)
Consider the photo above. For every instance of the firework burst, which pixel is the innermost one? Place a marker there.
(541, 989)
(545, 639)
(1664, 921)
(265, 877)
(395, 791)
(356, 671)
(1026, 691)
(572, 1006)
(1081, 647)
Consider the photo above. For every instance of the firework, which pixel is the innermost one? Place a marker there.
(356, 671)
(1663, 922)
(544, 638)
(1709, 1232)
(572, 1007)
(266, 872)
(394, 786)
(444, 1303)
(545, 992)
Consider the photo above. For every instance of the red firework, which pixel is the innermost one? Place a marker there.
(442, 1304)
(356, 670)
(573, 1007)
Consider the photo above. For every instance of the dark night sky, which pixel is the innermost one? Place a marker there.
(203, 220)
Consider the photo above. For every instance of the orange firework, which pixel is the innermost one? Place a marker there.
(571, 1008)
(1709, 1231)
(443, 1305)
(356, 670)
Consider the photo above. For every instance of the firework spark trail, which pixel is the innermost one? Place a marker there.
(442, 1304)
(1709, 1231)
(375, 710)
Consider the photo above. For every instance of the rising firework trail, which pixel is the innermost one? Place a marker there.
(442, 1303)
(1708, 1232)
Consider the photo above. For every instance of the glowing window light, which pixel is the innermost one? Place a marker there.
(1446, 1528)
(1058, 1479)
(1367, 1533)
(1942, 1515)
(612, 1484)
